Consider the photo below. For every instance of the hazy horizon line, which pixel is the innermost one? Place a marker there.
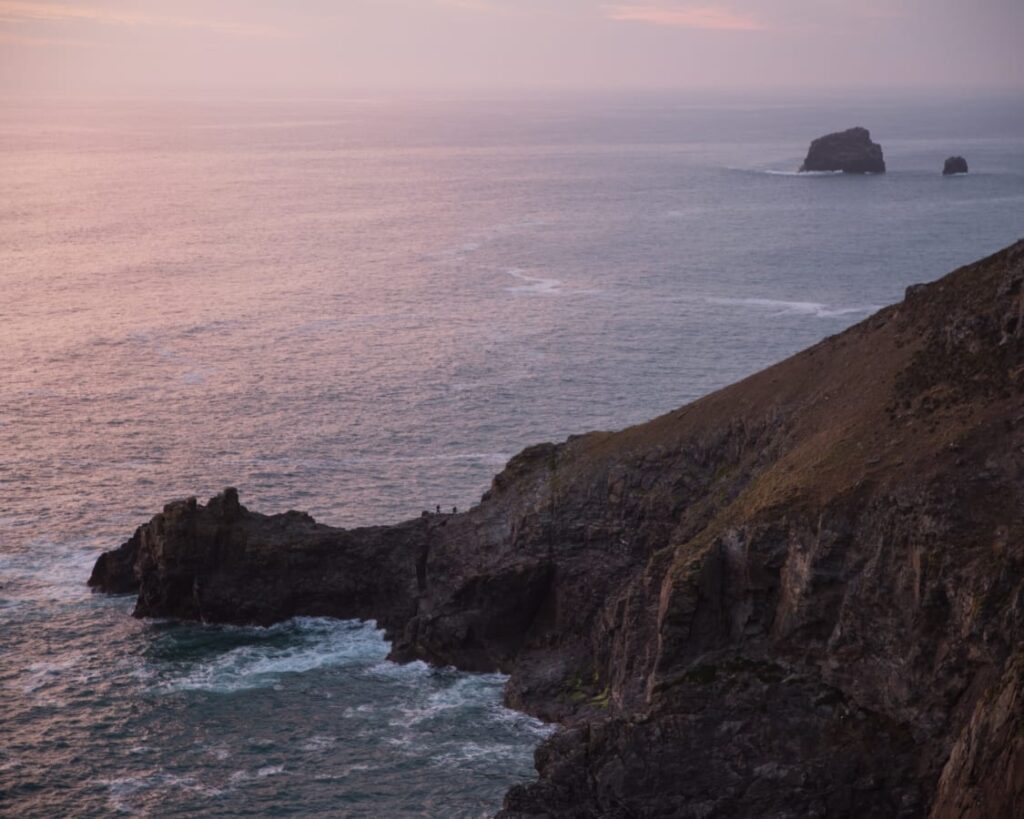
(498, 92)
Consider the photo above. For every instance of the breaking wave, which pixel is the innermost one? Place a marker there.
(294, 647)
(803, 308)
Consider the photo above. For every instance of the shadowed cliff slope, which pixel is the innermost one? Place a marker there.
(802, 595)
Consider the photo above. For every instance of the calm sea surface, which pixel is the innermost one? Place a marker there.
(362, 309)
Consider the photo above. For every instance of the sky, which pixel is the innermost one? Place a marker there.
(96, 47)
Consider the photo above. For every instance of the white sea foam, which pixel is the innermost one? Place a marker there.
(398, 671)
(476, 751)
(124, 791)
(805, 174)
(266, 771)
(316, 643)
(535, 285)
(50, 571)
(218, 752)
(365, 708)
(462, 693)
(41, 674)
(318, 742)
(518, 721)
(807, 308)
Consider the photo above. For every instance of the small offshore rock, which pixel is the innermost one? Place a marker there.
(954, 165)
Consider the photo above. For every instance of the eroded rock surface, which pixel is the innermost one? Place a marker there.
(849, 151)
(802, 595)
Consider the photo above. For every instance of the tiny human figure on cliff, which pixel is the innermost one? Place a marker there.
(439, 509)
(455, 510)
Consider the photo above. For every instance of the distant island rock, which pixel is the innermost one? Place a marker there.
(850, 151)
(954, 165)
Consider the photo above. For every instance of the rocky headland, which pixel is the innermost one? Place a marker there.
(802, 595)
(849, 151)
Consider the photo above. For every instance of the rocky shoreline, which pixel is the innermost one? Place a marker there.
(802, 595)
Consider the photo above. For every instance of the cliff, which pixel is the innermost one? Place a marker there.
(802, 595)
(849, 151)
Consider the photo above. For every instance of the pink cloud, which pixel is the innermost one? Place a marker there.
(468, 5)
(22, 11)
(29, 40)
(683, 16)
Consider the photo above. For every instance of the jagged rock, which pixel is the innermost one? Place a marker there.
(802, 595)
(850, 151)
(954, 165)
(115, 571)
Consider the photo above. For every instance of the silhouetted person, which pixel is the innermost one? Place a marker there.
(439, 509)
(455, 510)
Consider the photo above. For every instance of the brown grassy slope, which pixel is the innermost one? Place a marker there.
(854, 513)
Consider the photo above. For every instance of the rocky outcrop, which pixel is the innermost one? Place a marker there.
(850, 151)
(802, 595)
(115, 572)
(954, 165)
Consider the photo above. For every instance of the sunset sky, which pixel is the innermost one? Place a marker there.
(130, 46)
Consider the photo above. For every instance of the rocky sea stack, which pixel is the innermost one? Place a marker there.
(850, 151)
(802, 595)
(954, 165)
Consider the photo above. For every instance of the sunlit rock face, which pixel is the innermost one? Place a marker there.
(802, 595)
(850, 151)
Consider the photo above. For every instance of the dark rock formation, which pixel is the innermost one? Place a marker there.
(115, 571)
(802, 595)
(954, 165)
(850, 151)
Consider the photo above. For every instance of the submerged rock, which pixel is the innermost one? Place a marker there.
(954, 165)
(850, 151)
(802, 595)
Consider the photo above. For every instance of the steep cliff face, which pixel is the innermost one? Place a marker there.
(802, 595)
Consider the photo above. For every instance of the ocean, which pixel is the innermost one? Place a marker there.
(362, 308)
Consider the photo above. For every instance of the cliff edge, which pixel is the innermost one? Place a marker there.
(802, 595)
